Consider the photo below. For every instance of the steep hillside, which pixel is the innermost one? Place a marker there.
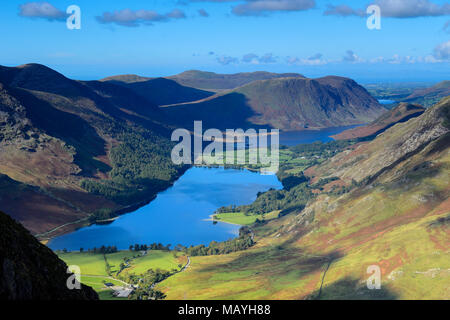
(31, 271)
(401, 113)
(213, 81)
(161, 91)
(368, 161)
(397, 220)
(71, 146)
(286, 104)
(431, 95)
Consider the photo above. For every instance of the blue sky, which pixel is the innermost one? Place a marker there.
(312, 37)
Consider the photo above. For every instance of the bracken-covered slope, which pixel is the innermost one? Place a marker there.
(393, 146)
(285, 103)
(397, 220)
(31, 271)
(401, 113)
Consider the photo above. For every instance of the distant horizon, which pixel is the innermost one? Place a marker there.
(150, 74)
(162, 38)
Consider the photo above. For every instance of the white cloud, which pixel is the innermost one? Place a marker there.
(343, 11)
(314, 60)
(255, 59)
(42, 10)
(352, 57)
(264, 7)
(395, 9)
(226, 60)
(442, 51)
(130, 18)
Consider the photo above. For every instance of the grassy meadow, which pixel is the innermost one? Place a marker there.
(97, 269)
(242, 219)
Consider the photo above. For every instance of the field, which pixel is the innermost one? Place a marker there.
(90, 264)
(94, 271)
(242, 219)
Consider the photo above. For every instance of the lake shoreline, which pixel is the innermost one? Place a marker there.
(324, 136)
(116, 214)
(175, 214)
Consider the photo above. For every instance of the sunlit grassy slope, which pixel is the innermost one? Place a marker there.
(242, 219)
(398, 221)
(94, 271)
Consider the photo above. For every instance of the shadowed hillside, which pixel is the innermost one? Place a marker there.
(286, 104)
(85, 149)
(162, 91)
(30, 270)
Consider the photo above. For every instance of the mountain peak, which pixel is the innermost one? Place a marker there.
(126, 78)
(214, 81)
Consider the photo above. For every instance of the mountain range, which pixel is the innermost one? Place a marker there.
(63, 143)
(283, 103)
(74, 153)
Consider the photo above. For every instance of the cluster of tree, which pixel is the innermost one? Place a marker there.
(227, 209)
(322, 182)
(290, 181)
(296, 188)
(327, 149)
(141, 166)
(279, 199)
(153, 246)
(145, 284)
(102, 250)
(243, 242)
(102, 214)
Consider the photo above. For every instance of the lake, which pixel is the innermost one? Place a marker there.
(292, 138)
(386, 101)
(178, 215)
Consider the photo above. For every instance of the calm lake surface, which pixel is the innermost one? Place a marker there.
(292, 138)
(179, 214)
(385, 101)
